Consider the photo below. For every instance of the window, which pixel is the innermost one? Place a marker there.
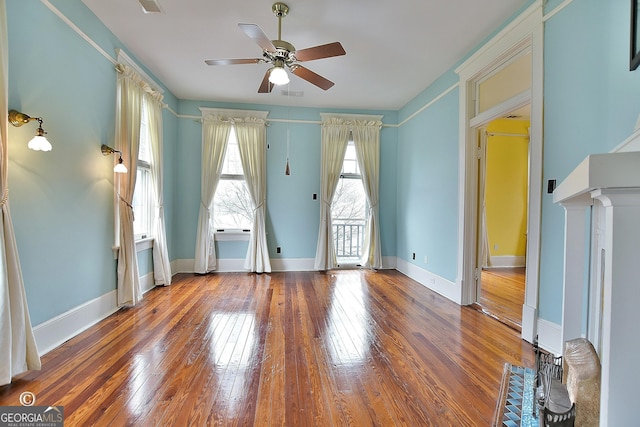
(349, 209)
(143, 198)
(232, 207)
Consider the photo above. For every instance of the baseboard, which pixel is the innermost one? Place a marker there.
(280, 264)
(293, 264)
(503, 261)
(432, 281)
(59, 329)
(55, 331)
(550, 336)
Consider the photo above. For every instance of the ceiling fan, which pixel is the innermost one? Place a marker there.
(282, 54)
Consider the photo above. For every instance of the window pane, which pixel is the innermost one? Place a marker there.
(232, 205)
(232, 162)
(142, 203)
(350, 164)
(144, 153)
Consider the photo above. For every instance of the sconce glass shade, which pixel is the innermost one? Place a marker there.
(120, 167)
(278, 76)
(39, 143)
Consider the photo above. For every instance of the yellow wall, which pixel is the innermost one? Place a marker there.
(506, 187)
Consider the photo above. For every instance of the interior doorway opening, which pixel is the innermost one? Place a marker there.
(503, 193)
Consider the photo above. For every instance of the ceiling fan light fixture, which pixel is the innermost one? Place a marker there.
(278, 76)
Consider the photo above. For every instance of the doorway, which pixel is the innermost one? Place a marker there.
(523, 34)
(503, 186)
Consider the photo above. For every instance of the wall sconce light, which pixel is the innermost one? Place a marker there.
(38, 142)
(120, 167)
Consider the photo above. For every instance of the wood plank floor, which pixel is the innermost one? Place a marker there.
(345, 348)
(502, 294)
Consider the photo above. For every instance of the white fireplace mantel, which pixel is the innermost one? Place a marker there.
(610, 170)
(605, 268)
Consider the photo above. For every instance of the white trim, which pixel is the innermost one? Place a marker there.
(65, 326)
(506, 261)
(147, 282)
(125, 59)
(524, 32)
(429, 104)
(630, 144)
(57, 330)
(497, 111)
(549, 336)
(81, 33)
(144, 244)
(231, 236)
(556, 10)
(182, 266)
(292, 264)
(429, 280)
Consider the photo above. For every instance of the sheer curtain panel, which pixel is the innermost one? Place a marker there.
(18, 351)
(215, 136)
(335, 137)
(128, 118)
(366, 137)
(252, 142)
(161, 264)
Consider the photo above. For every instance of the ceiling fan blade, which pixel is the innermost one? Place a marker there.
(319, 52)
(233, 61)
(311, 77)
(255, 32)
(266, 86)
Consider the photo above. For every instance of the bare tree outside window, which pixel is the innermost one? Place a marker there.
(232, 207)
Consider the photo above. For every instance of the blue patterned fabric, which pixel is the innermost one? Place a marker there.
(518, 401)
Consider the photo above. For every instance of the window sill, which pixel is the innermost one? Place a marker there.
(227, 236)
(144, 244)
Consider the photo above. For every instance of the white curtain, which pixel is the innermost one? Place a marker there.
(335, 137)
(128, 118)
(161, 264)
(366, 137)
(252, 142)
(215, 136)
(18, 352)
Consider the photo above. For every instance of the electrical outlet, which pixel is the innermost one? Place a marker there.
(432, 281)
(315, 196)
(426, 259)
(278, 250)
(495, 246)
(413, 256)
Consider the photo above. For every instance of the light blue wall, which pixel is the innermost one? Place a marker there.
(427, 220)
(62, 201)
(591, 105)
(292, 214)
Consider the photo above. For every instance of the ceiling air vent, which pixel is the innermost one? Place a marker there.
(150, 6)
(296, 93)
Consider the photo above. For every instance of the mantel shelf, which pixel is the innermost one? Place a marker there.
(610, 170)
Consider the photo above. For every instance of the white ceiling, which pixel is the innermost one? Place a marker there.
(395, 49)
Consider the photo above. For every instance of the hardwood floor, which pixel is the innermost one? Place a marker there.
(502, 294)
(342, 348)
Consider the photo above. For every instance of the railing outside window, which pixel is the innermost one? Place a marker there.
(348, 236)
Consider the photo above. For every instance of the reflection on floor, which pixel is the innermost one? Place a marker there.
(502, 294)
